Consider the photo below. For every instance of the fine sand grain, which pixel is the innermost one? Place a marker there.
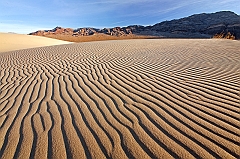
(121, 99)
(10, 42)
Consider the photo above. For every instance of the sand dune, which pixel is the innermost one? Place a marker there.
(121, 99)
(10, 42)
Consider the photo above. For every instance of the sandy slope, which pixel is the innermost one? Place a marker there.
(10, 42)
(121, 99)
(99, 37)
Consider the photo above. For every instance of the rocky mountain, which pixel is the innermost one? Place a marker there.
(202, 25)
(222, 24)
(55, 31)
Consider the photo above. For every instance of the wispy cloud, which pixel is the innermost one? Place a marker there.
(153, 11)
(228, 2)
(122, 2)
(95, 7)
(105, 13)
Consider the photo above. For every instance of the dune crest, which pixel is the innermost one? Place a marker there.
(121, 99)
(11, 42)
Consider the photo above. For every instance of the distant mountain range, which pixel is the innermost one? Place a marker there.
(223, 24)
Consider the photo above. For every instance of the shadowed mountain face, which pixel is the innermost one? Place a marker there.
(195, 26)
(202, 25)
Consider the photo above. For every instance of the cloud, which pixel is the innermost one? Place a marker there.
(228, 1)
(73, 7)
(78, 13)
(108, 2)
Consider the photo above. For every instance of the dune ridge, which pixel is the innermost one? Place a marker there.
(164, 98)
(11, 42)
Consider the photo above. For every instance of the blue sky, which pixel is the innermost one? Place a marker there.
(25, 16)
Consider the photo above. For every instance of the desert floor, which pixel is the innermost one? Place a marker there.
(99, 37)
(10, 42)
(158, 98)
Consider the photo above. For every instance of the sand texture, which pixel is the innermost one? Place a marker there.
(98, 37)
(162, 98)
(10, 42)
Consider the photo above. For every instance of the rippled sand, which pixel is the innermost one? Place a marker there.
(121, 99)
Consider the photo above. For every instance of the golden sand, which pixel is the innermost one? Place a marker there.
(10, 41)
(121, 99)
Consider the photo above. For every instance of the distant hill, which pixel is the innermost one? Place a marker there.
(202, 25)
(223, 24)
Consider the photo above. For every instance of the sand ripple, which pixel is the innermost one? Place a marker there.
(121, 99)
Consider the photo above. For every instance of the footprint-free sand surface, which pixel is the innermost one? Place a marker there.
(163, 98)
(10, 41)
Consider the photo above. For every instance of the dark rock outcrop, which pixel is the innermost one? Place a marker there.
(203, 24)
(84, 31)
(195, 26)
